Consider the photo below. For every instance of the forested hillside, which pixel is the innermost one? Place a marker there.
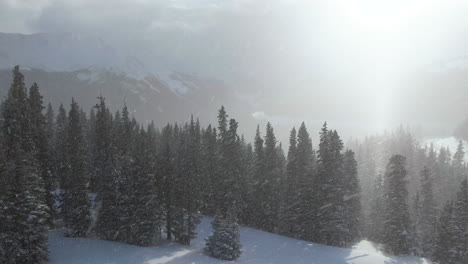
(151, 182)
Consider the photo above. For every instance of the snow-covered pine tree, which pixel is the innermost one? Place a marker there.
(427, 219)
(270, 183)
(290, 204)
(459, 165)
(188, 200)
(445, 251)
(306, 164)
(415, 217)
(224, 243)
(376, 217)
(3, 196)
(41, 141)
(166, 171)
(256, 195)
(75, 201)
(461, 221)
(91, 139)
(298, 214)
(352, 198)
(25, 236)
(331, 222)
(50, 134)
(397, 235)
(107, 226)
(208, 169)
(247, 161)
(146, 219)
(122, 140)
(60, 150)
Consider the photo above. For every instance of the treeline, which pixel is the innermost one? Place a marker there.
(149, 182)
(434, 180)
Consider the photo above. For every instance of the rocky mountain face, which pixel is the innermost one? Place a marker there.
(67, 65)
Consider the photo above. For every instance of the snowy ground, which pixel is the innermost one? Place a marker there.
(258, 247)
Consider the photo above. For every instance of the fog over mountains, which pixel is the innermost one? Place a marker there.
(83, 66)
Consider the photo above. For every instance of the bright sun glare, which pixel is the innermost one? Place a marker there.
(382, 16)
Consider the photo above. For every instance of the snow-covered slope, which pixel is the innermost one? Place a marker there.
(447, 142)
(258, 247)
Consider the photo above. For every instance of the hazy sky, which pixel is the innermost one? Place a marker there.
(347, 61)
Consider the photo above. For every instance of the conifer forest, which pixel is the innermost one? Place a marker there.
(234, 131)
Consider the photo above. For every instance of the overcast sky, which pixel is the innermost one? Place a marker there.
(353, 58)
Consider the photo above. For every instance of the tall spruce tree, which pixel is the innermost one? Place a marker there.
(166, 157)
(377, 212)
(224, 243)
(352, 198)
(75, 201)
(330, 190)
(397, 235)
(146, 218)
(445, 251)
(271, 180)
(461, 221)
(256, 189)
(24, 231)
(188, 200)
(60, 150)
(107, 225)
(209, 168)
(290, 210)
(427, 214)
(41, 142)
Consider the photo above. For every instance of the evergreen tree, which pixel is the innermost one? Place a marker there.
(224, 243)
(352, 201)
(305, 190)
(167, 173)
(397, 226)
(256, 189)
(377, 215)
(298, 214)
(290, 211)
(107, 225)
(146, 218)
(247, 162)
(427, 214)
(331, 191)
(24, 231)
(268, 177)
(41, 142)
(91, 139)
(50, 134)
(60, 150)
(123, 167)
(461, 221)
(458, 163)
(187, 215)
(272, 179)
(75, 201)
(208, 169)
(445, 251)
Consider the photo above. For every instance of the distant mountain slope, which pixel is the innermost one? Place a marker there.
(258, 247)
(70, 65)
(169, 99)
